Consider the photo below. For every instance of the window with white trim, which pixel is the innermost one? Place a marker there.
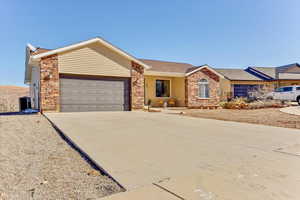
(203, 87)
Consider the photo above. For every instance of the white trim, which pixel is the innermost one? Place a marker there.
(202, 67)
(81, 44)
(31, 47)
(206, 84)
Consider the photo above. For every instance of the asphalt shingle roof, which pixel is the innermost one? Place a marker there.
(165, 66)
(269, 71)
(237, 74)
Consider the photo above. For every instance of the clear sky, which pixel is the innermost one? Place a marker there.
(221, 33)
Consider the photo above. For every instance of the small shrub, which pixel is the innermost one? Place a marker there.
(238, 103)
(242, 103)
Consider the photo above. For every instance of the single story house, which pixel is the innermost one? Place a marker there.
(252, 78)
(95, 75)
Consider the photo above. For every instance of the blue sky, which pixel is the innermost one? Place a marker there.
(221, 33)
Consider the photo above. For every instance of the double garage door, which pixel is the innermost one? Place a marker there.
(243, 90)
(94, 94)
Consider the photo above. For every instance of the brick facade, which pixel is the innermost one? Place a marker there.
(49, 84)
(137, 86)
(192, 89)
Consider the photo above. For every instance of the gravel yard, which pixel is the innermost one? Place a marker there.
(35, 163)
(268, 116)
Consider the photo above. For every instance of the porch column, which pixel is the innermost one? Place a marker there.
(137, 86)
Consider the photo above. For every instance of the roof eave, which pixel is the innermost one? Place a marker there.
(84, 43)
(158, 73)
(205, 66)
(261, 74)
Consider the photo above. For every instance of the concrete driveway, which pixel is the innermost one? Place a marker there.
(189, 158)
(293, 110)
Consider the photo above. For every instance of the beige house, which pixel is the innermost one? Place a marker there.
(94, 75)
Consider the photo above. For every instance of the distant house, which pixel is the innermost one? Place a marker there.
(94, 75)
(244, 80)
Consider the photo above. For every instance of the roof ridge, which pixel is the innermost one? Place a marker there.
(263, 67)
(229, 68)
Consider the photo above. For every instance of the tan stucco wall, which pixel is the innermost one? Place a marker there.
(288, 82)
(225, 89)
(94, 59)
(177, 89)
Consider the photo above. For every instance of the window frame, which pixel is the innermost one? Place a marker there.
(206, 84)
(290, 87)
(170, 85)
(280, 89)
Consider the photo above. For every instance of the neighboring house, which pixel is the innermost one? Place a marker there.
(94, 75)
(254, 78)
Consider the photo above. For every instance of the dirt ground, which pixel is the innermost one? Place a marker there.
(9, 97)
(268, 116)
(35, 163)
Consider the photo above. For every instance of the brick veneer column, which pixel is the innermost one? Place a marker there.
(192, 88)
(49, 84)
(137, 86)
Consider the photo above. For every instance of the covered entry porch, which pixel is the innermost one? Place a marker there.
(165, 90)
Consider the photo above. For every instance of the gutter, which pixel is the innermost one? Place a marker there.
(258, 73)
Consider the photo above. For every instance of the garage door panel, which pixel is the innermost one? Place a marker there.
(94, 94)
(243, 90)
(89, 108)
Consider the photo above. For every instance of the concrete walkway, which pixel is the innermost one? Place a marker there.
(293, 110)
(168, 156)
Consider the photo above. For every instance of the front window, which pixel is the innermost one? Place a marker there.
(162, 88)
(203, 88)
(288, 89)
(279, 90)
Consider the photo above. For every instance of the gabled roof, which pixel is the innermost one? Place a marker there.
(290, 71)
(285, 68)
(87, 42)
(33, 55)
(195, 69)
(236, 74)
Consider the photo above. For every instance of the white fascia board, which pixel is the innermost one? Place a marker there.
(31, 47)
(204, 66)
(94, 40)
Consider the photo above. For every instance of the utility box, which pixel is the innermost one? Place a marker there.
(24, 103)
